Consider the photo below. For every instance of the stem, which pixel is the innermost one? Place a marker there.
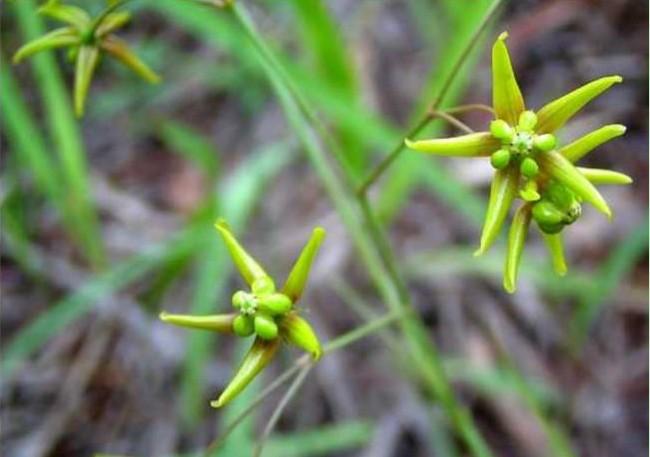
(427, 118)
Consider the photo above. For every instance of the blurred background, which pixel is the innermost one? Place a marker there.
(108, 220)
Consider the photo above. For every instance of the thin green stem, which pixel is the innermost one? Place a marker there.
(453, 120)
(435, 104)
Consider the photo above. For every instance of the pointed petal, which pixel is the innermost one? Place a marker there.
(300, 272)
(247, 266)
(502, 193)
(506, 96)
(472, 145)
(87, 60)
(65, 36)
(300, 333)
(583, 145)
(516, 241)
(556, 249)
(257, 358)
(222, 323)
(555, 114)
(559, 168)
(118, 49)
(70, 14)
(598, 176)
(112, 22)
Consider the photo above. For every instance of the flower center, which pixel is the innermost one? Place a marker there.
(522, 143)
(246, 302)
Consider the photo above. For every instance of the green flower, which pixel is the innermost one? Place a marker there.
(530, 166)
(263, 311)
(87, 39)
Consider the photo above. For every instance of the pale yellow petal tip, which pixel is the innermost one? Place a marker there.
(617, 78)
(503, 36)
(221, 225)
(163, 316)
(479, 252)
(317, 354)
(620, 128)
(409, 144)
(319, 231)
(509, 286)
(216, 403)
(561, 272)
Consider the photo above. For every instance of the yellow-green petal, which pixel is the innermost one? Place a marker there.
(583, 145)
(598, 176)
(471, 145)
(112, 22)
(70, 14)
(119, 50)
(516, 242)
(555, 114)
(300, 333)
(222, 323)
(502, 193)
(247, 266)
(59, 38)
(297, 279)
(87, 60)
(257, 358)
(559, 168)
(506, 95)
(555, 247)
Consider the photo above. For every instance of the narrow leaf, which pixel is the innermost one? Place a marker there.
(112, 22)
(118, 49)
(70, 14)
(247, 266)
(59, 38)
(300, 333)
(506, 95)
(555, 114)
(598, 176)
(472, 145)
(556, 249)
(257, 358)
(86, 63)
(502, 193)
(583, 145)
(516, 241)
(217, 322)
(558, 167)
(297, 279)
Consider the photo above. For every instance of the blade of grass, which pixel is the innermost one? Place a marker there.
(190, 144)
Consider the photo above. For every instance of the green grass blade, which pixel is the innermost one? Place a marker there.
(189, 143)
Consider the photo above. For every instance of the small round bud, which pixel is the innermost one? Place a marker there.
(243, 326)
(544, 142)
(527, 121)
(500, 159)
(550, 229)
(265, 327)
(239, 298)
(275, 304)
(501, 129)
(264, 285)
(529, 168)
(545, 212)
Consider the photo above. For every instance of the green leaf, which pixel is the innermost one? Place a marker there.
(559, 168)
(502, 193)
(556, 249)
(297, 279)
(516, 242)
(506, 95)
(258, 357)
(120, 51)
(583, 145)
(70, 14)
(59, 38)
(86, 63)
(598, 176)
(556, 113)
(221, 323)
(471, 145)
(191, 144)
(112, 22)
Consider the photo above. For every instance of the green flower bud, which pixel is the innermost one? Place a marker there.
(545, 212)
(275, 304)
(243, 325)
(265, 327)
(500, 159)
(529, 168)
(527, 121)
(544, 142)
(501, 129)
(550, 229)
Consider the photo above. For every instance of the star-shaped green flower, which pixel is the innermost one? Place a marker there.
(87, 40)
(529, 165)
(263, 311)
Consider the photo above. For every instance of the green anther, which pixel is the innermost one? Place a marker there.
(500, 159)
(274, 304)
(501, 129)
(527, 121)
(522, 143)
(529, 168)
(263, 285)
(243, 325)
(265, 327)
(544, 142)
